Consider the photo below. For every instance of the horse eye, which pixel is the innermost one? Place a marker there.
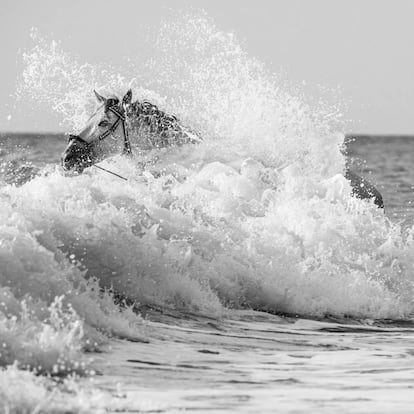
(103, 123)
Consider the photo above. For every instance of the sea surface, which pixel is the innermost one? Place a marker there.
(186, 356)
(235, 275)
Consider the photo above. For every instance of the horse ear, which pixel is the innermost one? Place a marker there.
(100, 98)
(127, 99)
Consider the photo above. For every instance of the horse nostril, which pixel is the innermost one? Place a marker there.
(65, 160)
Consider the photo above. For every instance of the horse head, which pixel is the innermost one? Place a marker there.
(104, 134)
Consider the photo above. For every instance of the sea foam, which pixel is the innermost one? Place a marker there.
(257, 216)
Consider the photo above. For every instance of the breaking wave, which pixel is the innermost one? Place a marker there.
(258, 216)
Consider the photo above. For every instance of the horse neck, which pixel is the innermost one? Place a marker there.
(150, 127)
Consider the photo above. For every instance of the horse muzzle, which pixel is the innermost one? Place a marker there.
(77, 155)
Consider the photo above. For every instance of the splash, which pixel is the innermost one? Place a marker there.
(49, 313)
(24, 392)
(58, 81)
(258, 216)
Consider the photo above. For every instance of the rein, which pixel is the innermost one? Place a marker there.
(110, 172)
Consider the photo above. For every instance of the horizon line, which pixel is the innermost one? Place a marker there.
(347, 134)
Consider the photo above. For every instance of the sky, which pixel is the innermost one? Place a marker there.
(362, 48)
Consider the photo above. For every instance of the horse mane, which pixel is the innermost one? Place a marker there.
(157, 128)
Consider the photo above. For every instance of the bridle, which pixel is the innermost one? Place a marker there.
(120, 113)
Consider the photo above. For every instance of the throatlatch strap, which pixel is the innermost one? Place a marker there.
(127, 144)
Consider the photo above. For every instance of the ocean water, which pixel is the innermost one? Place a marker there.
(237, 275)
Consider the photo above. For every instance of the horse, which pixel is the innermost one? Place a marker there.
(107, 133)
